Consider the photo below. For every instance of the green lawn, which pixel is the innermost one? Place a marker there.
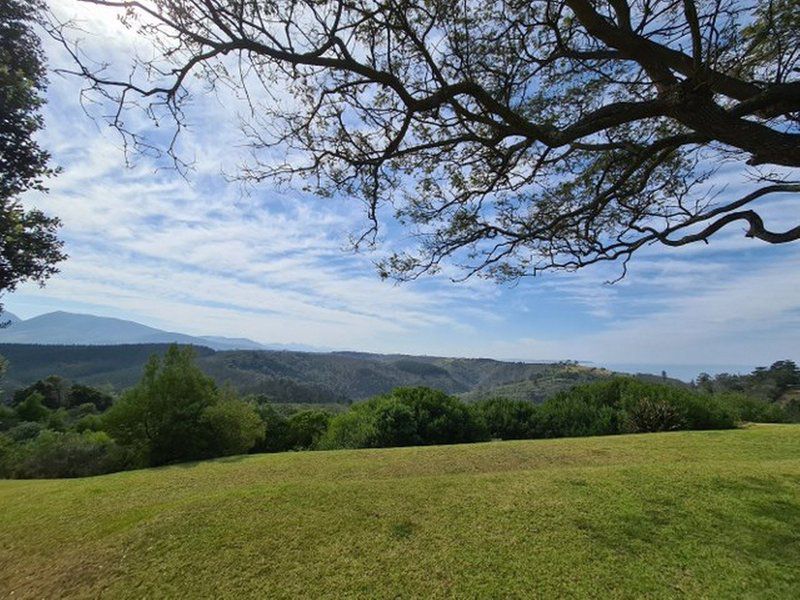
(694, 514)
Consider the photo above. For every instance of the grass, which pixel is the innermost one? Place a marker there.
(693, 514)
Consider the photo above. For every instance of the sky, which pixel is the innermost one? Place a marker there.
(200, 255)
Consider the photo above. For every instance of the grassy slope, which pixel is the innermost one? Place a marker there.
(714, 514)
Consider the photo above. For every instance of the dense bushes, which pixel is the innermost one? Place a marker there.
(406, 417)
(411, 416)
(176, 413)
(54, 454)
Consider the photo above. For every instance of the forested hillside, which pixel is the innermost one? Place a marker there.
(286, 376)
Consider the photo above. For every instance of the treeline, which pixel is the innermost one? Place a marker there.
(779, 383)
(176, 413)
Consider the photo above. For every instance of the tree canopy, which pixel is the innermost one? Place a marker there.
(511, 136)
(29, 248)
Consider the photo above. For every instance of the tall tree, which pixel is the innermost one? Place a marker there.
(29, 248)
(511, 136)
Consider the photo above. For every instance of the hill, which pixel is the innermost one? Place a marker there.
(72, 328)
(8, 319)
(287, 376)
(691, 514)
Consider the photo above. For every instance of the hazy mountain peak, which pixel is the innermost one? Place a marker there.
(62, 327)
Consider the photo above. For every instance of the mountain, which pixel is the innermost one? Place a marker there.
(9, 318)
(71, 328)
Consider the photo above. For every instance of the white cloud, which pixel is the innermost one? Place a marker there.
(198, 256)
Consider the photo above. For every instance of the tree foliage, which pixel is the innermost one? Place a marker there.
(163, 415)
(511, 137)
(29, 248)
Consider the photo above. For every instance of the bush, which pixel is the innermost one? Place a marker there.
(505, 419)
(52, 454)
(405, 417)
(648, 415)
(439, 418)
(8, 417)
(83, 394)
(234, 427)
(571, 416)
(751, 409)
(277, 434)
(27, 430)
(624, 404)
(32, 408)
(306, 427)
(352, 429)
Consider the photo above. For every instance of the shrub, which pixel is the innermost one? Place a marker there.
(277, 434)
(505, 419)
(89, 423)
(8, 417)
(83, 394)
(440, 419)
(352, 429)
(26, 430)
(406, 416)
(570, 416)
(52, 454)
(234, 427)
(752, 409)
(306, 427)
(32, 408)
(648, 415)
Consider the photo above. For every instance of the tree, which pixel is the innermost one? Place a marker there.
(29, 248)
(32, 408)
(80, 394)
(306, 427)
(162, 416)
(54, 390)
(510, 137)
(235, 427)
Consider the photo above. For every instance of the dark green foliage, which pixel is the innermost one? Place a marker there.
(57, 392)
(162, 417)
(754, 409)
(407, 416)
(29, 249)
(572, 416)
(32, 408)
(277, 434)
(234, 427)
(24, 431)
(768, 383)
(8, 417)
(83, 394)
(506, 419)
(52, 454)
(306, 427)
(624, 404)
(649, 415)
(440, 419)
(54, 391)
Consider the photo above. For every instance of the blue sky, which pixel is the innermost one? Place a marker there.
(199, 255)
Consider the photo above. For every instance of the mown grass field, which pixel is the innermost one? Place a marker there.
(693, 514)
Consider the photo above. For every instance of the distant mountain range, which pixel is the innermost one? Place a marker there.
(112, 352)
(65, 328)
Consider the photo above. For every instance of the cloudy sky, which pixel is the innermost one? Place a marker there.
(202, 256)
